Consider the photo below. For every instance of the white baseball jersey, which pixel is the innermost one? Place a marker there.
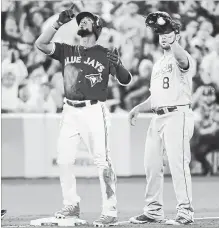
(170, 85)
(170, 132)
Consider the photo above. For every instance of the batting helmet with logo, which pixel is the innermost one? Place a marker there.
(97, 25)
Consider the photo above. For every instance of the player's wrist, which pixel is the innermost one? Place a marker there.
(56, 25)
(117, 65)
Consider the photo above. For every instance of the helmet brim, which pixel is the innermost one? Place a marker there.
(81, 15)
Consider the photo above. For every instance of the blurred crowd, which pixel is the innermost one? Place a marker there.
(32, 82)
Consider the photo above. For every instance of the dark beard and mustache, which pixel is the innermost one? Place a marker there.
(84, 32)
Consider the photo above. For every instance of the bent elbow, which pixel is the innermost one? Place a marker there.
(37, 44)
(128, 79)
(183, 64)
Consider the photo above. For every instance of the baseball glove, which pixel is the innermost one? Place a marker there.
(161, 23)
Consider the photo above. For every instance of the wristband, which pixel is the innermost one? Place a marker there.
(59, 23)
(54, 28)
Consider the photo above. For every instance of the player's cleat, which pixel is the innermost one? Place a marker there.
(105, 220)
(3, 212)
(68, 211)
(179, 221)
(141, 219)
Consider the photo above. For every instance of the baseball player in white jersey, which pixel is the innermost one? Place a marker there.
(86, 69)
(171, 127)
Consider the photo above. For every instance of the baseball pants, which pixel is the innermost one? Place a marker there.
(169, 133)
(91, 124)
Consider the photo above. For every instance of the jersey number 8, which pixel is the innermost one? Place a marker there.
(166, 84)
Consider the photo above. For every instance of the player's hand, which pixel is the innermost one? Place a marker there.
(133, 114)
(66, 15)
(113, 57)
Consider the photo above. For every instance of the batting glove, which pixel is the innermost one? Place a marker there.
(114, 58)
(66, 16)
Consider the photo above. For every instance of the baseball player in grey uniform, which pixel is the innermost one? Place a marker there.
(86, 69)
(171, 127)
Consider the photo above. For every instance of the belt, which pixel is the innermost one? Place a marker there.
(81, 104)
(165, 110)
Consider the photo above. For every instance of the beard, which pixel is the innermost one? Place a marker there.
(165, 46)
(84, 32)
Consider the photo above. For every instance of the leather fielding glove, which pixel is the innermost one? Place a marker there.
(161, 23)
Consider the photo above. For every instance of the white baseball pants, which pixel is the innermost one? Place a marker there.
(171, 133)
(91, 124)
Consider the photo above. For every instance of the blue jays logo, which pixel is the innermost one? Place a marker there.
(94, 78)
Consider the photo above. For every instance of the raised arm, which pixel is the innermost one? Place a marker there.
(179, 53)
(123, 75)
(180, 56)
(43, 42)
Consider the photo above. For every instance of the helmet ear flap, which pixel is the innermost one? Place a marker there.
(97, 27)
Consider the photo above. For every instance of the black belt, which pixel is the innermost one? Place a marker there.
(165, 110)
(81, 104)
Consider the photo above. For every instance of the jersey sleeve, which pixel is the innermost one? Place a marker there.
(122, 76)
(57, 51)
(191, 67)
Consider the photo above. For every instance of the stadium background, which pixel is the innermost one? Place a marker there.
(32, 82)
(32, 99)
